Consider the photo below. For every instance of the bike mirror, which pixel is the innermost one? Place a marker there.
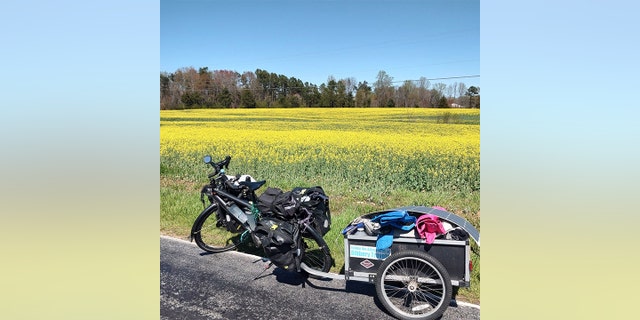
(207, 159)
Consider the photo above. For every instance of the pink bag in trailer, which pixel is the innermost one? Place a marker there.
(429, 226)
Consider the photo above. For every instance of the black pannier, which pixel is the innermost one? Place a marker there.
(302, 203)
(281, 242)
(276, 203)
(285, 205)
(314, 202)
(265, 201)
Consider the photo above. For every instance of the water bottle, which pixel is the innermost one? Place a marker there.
(246, 219)
(251, 220)
(238, 214)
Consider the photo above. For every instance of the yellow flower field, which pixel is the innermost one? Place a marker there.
(420, 149)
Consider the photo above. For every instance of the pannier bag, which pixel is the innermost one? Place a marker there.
(302, 203)
(314, 202)
(266, 199)
(281, 242)
(276, 203)
(285, 205)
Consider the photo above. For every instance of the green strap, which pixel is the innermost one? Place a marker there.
(255, 211)
(243, 236)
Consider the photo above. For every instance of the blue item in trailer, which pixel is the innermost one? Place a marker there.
(399, 219)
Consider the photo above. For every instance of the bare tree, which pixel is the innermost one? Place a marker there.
(451, 90)
(187, 78)
(363, 95)
(383, 90)
(350, 85)
(424, 95)
(461, 89)
(225, 84)
(184, 81)
(440, 88)
(406, 94)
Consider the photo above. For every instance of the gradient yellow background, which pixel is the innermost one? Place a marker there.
(79, 228)
(559, 161)
(79, 141)
(80, 191)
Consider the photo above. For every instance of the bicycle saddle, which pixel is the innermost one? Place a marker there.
(253, 185)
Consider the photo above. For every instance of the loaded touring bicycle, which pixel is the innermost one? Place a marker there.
(415, 256)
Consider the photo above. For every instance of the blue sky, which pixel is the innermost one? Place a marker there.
(312, 40)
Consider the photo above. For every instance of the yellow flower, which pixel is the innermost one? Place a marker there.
(368, 143)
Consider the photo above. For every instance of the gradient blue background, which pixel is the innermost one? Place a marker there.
(79, 133)
(79, 160)
(559, 159)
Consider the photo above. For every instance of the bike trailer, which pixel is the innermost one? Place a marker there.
(414, 277)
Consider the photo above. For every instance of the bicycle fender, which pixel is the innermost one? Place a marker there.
(203, 215)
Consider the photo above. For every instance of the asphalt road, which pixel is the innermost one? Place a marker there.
(195, 285)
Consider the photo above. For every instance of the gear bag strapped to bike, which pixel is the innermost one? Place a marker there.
(276, 203)
(303, 203)
(314, 203)
(281, 241)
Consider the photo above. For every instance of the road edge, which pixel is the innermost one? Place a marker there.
(459, 303)
(194, 244)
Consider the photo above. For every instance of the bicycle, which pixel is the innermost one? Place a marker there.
(232, 216)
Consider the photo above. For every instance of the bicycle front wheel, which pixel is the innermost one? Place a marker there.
(211, 233)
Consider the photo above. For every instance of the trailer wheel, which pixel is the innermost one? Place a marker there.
(413, 285)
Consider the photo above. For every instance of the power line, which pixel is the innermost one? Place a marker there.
(443, 78)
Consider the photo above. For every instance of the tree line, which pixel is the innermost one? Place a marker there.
(188, 88)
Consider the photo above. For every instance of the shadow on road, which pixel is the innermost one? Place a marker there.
(299, 279)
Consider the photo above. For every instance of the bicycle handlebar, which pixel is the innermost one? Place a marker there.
(224, 164)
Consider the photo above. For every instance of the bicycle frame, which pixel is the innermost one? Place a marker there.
(248, 221)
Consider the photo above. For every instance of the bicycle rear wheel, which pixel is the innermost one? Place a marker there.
(316, 251)
(211, 233)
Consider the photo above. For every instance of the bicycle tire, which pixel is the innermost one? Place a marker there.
(316, 251)
(212, 235)
(413, 285)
